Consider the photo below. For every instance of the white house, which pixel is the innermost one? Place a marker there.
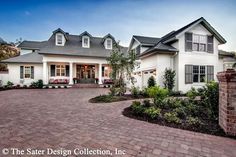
(192, 51)
(64, 58)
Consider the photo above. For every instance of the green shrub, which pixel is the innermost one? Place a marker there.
(146, 103)
(152, 112)
(171, 103)
(37, 84)
(137, 108)
(177, 93)
(135, 91)
(151, 82)
(9, 84)
(193, 121)
(181, 112)
(157, 93)
(144, 92)
(40, 84)
(192, 94)
(169, 79)
(211, 98)
(171, 117)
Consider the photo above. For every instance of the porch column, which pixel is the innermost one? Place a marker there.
(100, 74)
(71, 73)
(45, 72)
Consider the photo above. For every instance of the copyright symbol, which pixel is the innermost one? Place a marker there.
(5, 151)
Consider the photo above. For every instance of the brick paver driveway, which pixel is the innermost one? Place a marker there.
(63, 118)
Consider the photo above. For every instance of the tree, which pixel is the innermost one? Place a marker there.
(169, 79)
(151, 82)
(122, 66)
(7, 51)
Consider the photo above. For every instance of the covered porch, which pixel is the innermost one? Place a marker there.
(75, 73)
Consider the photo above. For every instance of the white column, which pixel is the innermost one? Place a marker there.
(100, 74)
(45, 72)
(71, 73)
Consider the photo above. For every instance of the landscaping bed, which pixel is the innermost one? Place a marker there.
(111, 98)
(198, 111)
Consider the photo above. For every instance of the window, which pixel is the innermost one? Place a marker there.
(199, 42)
(199, 73)
(59, 39)
(109, 44)
(85, 42)
(202, 74)
(27, 73)
(196, 42)
(60, 70)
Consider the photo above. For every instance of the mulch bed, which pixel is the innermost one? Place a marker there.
(109, 99)
(210, 127)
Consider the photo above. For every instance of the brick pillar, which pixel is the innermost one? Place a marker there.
(227, 101)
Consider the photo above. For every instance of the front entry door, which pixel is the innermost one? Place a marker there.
(85, 73)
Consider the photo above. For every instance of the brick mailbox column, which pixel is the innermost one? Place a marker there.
(227, 101)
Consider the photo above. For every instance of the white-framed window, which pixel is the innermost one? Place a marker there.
(108, 44)
(199, 74)
(60, 70)
(59, 39)
(85, 42)
(27, 72)
(199, 42)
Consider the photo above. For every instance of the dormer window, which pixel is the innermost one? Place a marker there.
(108, 44)
(59, 39)
(85, 42)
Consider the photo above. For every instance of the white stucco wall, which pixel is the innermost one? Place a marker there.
(195, 58)
(4, 77)
(163, 61)
(14, 74)
(158, 63)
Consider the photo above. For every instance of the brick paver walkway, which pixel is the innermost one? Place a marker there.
(63, 118)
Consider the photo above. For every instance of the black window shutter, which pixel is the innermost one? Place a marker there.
(32, 72)
(210, 73)
(188, 41)
(67, 70)
(210, 46)
(53, 67)
(21, 72)
(188, 74)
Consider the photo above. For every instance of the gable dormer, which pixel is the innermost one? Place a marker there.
(85, 39)
(60, 37)
(108, 41)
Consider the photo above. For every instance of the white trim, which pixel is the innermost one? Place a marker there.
(62, 39)
(28, 66)
(106, 43)
(83, 44)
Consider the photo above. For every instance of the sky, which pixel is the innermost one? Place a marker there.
(37, 19)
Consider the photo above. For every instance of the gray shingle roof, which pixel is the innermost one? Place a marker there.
(163, 43)
(32, 44)
(172, 35)
(146, 40)
(27, 58)
(73, 47)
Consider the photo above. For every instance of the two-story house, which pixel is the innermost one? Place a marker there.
(192, 51)
(63, 58)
